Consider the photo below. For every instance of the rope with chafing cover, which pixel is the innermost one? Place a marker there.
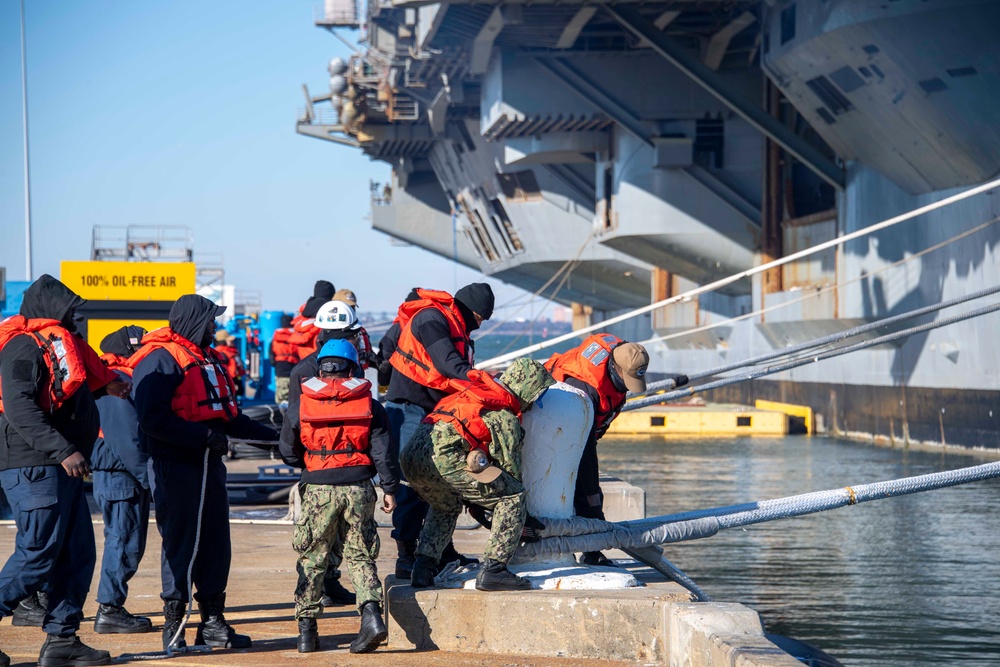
(574, 535)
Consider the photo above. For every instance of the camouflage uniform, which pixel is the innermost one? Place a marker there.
(435, 464)
(281, 389)
(324, 508)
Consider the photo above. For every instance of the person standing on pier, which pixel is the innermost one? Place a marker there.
(284, 356)
(121, 490)
(432, 359)
(234, 364)
(333, 320)
(468, 450)
(342, 440)
(304, 331)
(605, 368)
(186, 405)
(49, 378)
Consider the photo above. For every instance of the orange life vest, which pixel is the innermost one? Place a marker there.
(282, 349)
(62, 352)
(411, 357)
(335, 417)
(117, 362)
(206, 392)
(465, 409)
(234, 365)
(304, 335)
(588, 363)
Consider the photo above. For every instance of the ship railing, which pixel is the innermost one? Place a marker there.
(324, 116)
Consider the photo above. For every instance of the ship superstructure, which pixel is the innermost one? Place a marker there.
(620, 153)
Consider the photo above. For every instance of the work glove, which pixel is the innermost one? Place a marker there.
(481, 514)
(680, 381)
(532, 530)
(217, 442)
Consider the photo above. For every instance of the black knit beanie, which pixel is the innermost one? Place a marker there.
(477, 297)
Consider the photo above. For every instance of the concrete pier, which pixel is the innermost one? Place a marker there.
(652, 624)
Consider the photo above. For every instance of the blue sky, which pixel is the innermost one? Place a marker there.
(183, 113)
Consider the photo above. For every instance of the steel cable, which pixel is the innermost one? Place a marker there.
(778, 368)
(825, 340)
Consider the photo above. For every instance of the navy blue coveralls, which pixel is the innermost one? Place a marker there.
(177, 449)
(55, 535)
(121, 489)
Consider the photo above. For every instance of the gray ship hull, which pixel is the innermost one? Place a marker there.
(619, 154)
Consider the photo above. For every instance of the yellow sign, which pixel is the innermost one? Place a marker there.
(129, 281)
(98, 329)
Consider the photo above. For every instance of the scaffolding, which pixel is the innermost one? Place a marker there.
(140, 243)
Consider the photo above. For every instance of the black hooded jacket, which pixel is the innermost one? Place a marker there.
(430, 327)
(32, 436)
(163, 434)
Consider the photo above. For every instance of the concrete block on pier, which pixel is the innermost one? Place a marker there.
(654, 624)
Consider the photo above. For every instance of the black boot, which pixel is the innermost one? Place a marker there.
(31, 610)
(173, 615)
(450, 554)
(335, 594)
(372, 632)
(213, 629)
(494, 576)
(308, 635)
(404, 562)
(112, 619)
(4, 659)
(70, 652)
(596, 558)
(424, 571)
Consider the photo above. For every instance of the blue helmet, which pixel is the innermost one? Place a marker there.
(334, 350)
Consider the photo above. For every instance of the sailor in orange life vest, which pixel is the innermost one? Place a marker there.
(387, 345)
(605, 368)
(342, 440)
(432, 359)
(335, 320)
(49, 377)
(234, 365)
(121, 490)
(368, 357)
(186, 403)
(468, 450)
(304, 331)
(284, 356)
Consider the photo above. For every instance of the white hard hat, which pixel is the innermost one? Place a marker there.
(336, 315)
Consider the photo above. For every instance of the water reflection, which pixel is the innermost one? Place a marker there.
(904, 581)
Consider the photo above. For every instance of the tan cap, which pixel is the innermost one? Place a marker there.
(632, 360)
(347, 296)
(479, 467)
(221, 336)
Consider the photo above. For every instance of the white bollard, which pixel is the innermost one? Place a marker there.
(556, 430)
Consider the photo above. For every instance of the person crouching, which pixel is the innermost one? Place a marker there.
(343, 441)
(469, 449)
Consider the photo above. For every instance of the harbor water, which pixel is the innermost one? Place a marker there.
(913, 580)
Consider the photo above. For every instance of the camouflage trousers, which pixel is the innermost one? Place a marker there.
(281, 389)
(325, 507)
(437, 471)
